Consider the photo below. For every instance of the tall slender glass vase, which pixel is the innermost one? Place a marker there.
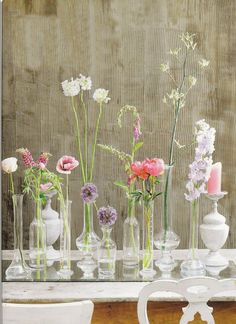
(131, 242)
(37, 239)
(18, 268)
(65, 239)
(147, 248)
(87, 243)
(166, 240)
(106, 254)
(193, 266)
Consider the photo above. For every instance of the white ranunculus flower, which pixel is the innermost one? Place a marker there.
(85, 82)
(101, 95)
(9, 165)
(71, 88)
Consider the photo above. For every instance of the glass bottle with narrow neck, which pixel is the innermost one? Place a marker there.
(166, 240)
(106, 254)
(131, 241)
(18, 268)
(87, 242)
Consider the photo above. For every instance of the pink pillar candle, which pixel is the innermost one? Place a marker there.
(214, 182)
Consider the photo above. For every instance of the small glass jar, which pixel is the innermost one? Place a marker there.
(106, 254)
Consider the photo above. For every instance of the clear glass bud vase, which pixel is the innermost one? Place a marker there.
(87, 243)
(18, 269)
(131, 242)
(166, 240)
(193, 266)
(37, 239)
(147, 247)
(106, 254)
(65, 239)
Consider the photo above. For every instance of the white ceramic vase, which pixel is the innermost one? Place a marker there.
(52, 222)
(214, 233)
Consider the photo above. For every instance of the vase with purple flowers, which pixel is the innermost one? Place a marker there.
(87, 242)
(199, 174)
(107, 248)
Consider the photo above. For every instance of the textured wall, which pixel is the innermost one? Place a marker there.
(120, 44)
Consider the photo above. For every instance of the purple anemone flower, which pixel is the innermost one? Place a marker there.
(107, 216)
(89, 193)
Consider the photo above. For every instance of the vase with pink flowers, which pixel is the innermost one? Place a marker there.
(131, 228)
(147, 174)
(87, 242)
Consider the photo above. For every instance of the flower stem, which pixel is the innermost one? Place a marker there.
(78, 139)
(85, 134)
(12, 183)
(95, 142)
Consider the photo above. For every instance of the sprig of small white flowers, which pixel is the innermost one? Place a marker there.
(73, 87)
(199, 170)
(101, 95)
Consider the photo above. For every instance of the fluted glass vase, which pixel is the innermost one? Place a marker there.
(87, 242)
(193, 266)
(166, 240)
(106, 254)
(37, 239)
(18, 268)
(131, 242)
(65, 239)
(147, 246)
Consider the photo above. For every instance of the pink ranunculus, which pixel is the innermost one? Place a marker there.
(154, 167)
(45, 186)
(66, 164)
(137, 169)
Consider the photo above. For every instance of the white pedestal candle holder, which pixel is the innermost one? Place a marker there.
(214, 233)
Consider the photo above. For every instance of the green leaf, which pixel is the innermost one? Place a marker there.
(121, 185)
(137, 146)
(156, 194)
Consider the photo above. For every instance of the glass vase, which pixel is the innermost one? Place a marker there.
(166, 240)
(65, 239)
(193, 265)
(37, 239)
(106, 254)
(18, 268)
(147, 248)
(131, 242)
(87, 243)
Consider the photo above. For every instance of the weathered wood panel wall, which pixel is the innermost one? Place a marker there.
(120, 44)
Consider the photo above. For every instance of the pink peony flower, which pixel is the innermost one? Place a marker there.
(154, 167)
(137, 169)
(66, 164)
(149, 167)
(45, 186)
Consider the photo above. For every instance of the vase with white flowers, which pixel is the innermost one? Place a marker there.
(87, 242)
(167, 240)
(199, 173)
(18, 269)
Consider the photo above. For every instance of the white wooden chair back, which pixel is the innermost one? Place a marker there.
(197, 291)
(61, 313)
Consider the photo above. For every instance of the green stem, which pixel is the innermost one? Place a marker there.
(85, 134)
(194, 216)
(95, 142)
(78, 139)
(12, 183)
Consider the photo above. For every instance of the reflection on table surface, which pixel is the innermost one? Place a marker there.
(122, 273)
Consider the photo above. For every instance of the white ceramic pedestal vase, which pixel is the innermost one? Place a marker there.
(52, 223)
(214, 233)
